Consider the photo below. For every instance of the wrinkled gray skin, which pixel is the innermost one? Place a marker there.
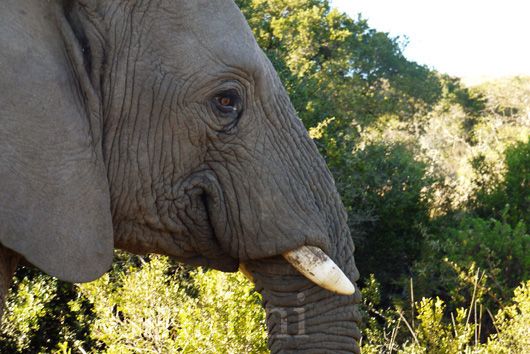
(112, 131)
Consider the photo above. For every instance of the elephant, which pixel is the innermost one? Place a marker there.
(160, 126)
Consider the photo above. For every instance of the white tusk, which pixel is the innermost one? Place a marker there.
(315, 265)
(243, 269)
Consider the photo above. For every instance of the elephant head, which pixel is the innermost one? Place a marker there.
(159, 126)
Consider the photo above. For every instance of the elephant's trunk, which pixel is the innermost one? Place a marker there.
(303, 317)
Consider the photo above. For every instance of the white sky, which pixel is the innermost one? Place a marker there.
(472, 39)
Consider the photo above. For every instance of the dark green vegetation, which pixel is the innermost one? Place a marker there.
(436, 180)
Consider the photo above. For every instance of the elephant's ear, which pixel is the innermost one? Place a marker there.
(54, 198)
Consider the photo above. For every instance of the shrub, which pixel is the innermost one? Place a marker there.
(146, 308)
(511, 195)
(436, 330)
(390, 186)
(226, 316)
(450, 261)
(513, 324)
(44, 314)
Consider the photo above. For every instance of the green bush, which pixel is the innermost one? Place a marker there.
(44, 314)
(450, 260)
(517, 182)
(513, 325)
(146, 308)
(391, 188)
(434, 329)
(142, 305)
(501, 250)
(226, 317)
(508, 197)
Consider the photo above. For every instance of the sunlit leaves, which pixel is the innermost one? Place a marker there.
(149, 310)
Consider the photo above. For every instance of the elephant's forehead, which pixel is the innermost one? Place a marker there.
(216, 31)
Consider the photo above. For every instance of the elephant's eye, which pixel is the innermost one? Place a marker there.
(228, 102)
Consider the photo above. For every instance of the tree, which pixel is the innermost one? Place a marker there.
(506, 196)
(335, 66)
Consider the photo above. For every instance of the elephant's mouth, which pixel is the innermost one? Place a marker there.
(210, 211)
(199, 206)
(182, 226)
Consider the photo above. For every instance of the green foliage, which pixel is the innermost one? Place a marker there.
(501, 250)
(43, 314)
(136, 308)
(473, 102)
(25, 307)
(462, 129)
(449, 262)
(428, 331)
(147, 309)
(507, 99)
(432, 329)
(380, 325)
(472, 252)
(513, 325)
(336, 66)
(226, 316)
(436, 336)
(508, 196)
(140, 306)
(517, 182)
(393, 187)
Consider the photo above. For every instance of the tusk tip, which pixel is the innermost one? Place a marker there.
(315, 265)
(345, 288)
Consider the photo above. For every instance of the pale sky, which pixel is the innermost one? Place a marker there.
(472, 39)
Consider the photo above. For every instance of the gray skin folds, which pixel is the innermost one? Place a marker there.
(162, 127)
